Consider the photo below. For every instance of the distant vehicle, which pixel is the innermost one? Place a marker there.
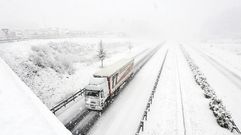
(107, 82)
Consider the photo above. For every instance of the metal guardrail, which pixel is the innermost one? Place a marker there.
(147, 109)
(66, 101)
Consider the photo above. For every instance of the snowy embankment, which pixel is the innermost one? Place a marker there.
(56, 68)
(22, 113)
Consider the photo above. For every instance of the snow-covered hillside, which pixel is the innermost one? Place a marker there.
(56, 68)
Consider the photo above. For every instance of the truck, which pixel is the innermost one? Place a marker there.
(107, 82)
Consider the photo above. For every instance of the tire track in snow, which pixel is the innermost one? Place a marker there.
(181, 97)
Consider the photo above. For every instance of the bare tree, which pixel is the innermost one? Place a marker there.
(101, 53)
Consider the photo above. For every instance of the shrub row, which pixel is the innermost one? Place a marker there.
(223, 117)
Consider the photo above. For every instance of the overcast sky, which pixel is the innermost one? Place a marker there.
(172, 18)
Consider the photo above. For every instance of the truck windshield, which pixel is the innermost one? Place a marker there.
(92, 93)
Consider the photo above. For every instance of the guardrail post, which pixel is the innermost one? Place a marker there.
(142, 125)
(150, 100)
(152, 94)
(148, 106)
(145, 115)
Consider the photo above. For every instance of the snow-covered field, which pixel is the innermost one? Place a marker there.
(56, 68)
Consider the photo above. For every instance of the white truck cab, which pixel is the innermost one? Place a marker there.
(96, 93)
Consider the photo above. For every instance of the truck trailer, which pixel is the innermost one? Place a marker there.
(106, 83)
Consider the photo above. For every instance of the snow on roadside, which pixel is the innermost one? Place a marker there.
(21, 111)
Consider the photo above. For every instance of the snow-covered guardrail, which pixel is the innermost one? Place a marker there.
(148, 105)
(66, 101)
(223, 117)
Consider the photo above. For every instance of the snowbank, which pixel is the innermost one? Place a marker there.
(22, 113)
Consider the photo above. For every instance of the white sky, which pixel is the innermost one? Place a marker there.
(173, 18)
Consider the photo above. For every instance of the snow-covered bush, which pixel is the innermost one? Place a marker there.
(223, 117)
(48, 57)
(27, 71)
(209, 92)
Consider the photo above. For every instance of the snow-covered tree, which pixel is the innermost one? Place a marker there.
(101, 53)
